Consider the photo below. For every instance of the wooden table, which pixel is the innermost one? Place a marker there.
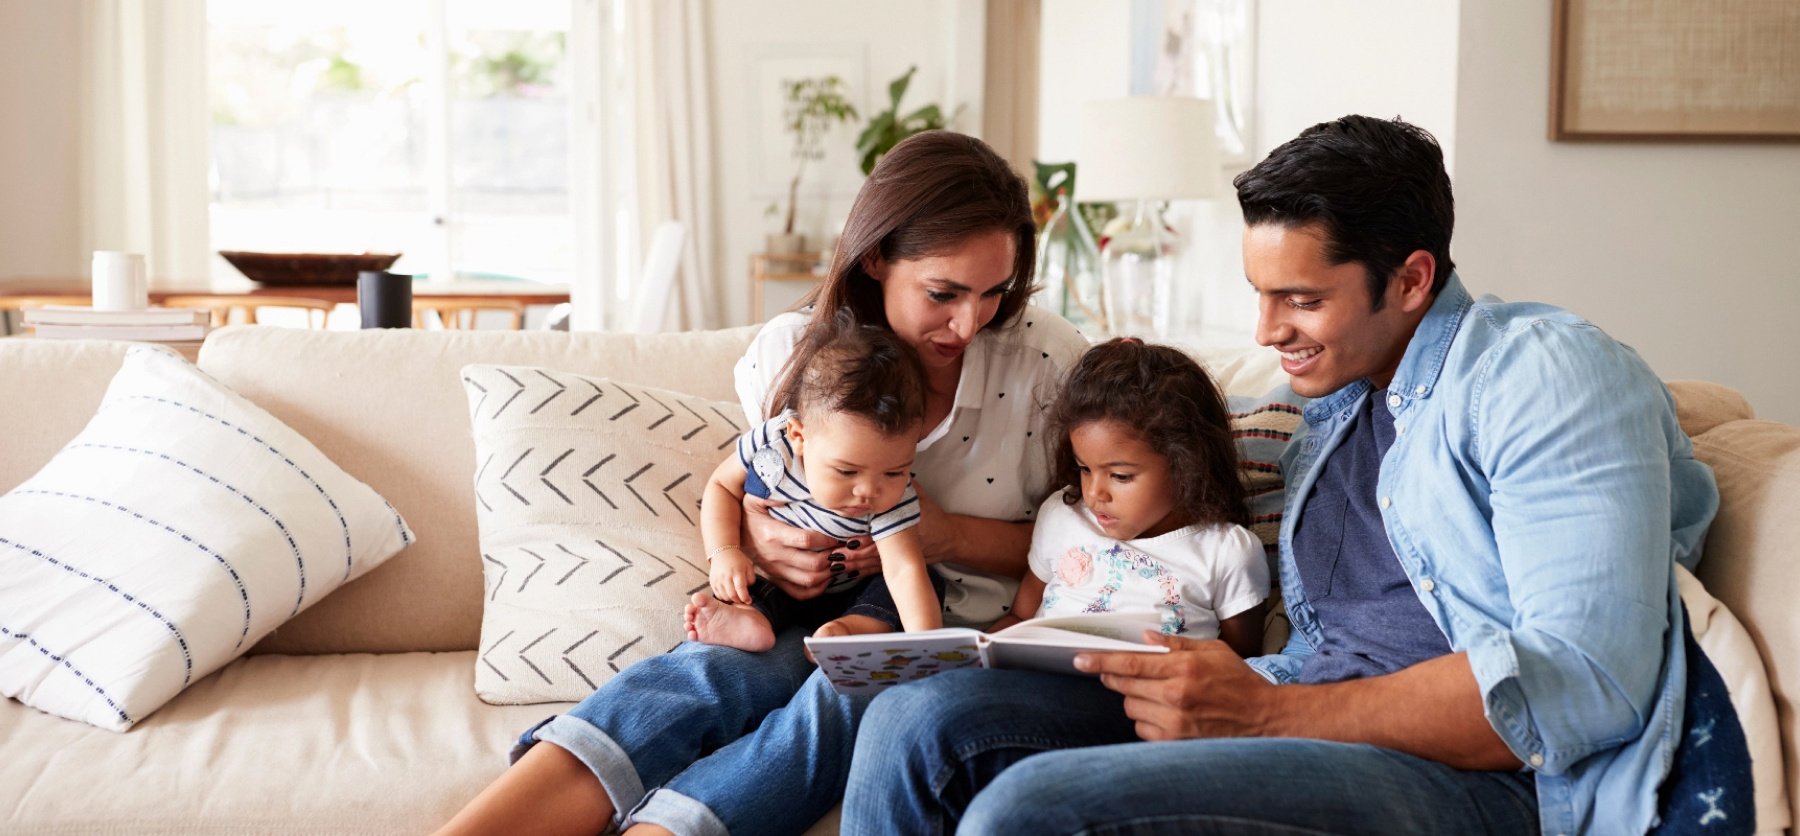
(764, 267)
(523, 292)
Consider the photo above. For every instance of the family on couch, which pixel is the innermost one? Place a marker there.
(1485, 507)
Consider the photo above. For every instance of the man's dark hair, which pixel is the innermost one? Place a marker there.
(1376, 187)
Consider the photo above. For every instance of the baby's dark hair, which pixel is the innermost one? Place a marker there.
(862, 370)
(1173, 405)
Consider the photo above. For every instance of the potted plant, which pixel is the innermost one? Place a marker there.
(813, 106)
(888, 128)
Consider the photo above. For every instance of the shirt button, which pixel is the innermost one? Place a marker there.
(1419, 390)
(1394, 401)
(1537, 759)
(1427, 585)
(1385, 502)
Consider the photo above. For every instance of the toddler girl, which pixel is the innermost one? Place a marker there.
(839, 454)
(1150, 514)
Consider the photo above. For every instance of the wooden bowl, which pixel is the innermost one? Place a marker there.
(306, 269)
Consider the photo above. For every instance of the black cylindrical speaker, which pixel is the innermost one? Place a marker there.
(385, 299)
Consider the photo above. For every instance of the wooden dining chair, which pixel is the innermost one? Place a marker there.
(461, 312)
(223, 307)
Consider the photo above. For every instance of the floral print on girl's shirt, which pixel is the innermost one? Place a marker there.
(1119, 564)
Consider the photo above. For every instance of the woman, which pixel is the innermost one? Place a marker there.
(940, 248)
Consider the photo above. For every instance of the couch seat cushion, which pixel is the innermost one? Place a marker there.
(360, 743)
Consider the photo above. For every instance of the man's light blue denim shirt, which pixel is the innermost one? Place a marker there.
(1539, 493)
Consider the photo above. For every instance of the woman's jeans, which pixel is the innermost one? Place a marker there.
(928, 748)
(708, 739)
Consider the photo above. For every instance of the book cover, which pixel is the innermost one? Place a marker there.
(867, 664)
(145, 333)
(82, 315)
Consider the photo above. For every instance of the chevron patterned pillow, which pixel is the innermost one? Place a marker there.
(182, 525)
(587, 495)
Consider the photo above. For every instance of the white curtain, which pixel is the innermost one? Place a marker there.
(1009, 119)
(674, 150)
(144, 135)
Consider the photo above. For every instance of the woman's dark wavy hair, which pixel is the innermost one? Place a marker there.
(1173, 405)
(1376, 187)
(860, 370)
(930, 194)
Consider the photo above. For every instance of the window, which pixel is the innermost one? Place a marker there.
(447, 130)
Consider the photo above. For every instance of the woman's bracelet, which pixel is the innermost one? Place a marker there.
(711, 554)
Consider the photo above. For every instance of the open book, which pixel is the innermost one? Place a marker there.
(863, 664)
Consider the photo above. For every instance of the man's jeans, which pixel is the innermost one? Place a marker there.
(926, 749)
(708, 739)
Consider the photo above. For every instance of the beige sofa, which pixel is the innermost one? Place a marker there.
(359, 716)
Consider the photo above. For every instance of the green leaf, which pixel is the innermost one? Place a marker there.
(897, 87)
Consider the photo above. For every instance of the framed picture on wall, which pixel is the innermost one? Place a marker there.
(833, 171)
(1676, 70)
(1200, 48)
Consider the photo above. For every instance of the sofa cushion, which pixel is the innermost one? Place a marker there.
(353, 744)
(1750, 561)
(61, 381)
(587, 492)
(388, 405)
(178, 528)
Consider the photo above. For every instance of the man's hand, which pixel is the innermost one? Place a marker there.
(1197, 689)
(798, 561)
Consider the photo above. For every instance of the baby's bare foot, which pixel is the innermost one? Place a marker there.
(741, 626)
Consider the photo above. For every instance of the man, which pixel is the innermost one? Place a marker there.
(1485, 505)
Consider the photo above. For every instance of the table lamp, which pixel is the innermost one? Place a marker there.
(1146, 150)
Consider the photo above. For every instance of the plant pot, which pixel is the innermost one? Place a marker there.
(785, 243)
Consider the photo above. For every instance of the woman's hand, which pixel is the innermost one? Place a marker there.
(1197, 689)
(798, 561)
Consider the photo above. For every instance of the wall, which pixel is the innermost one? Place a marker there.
(942, 37)
(40, 102)
(1688, 252)
(1314, 62)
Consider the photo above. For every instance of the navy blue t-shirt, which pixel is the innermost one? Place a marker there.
(1371, 619)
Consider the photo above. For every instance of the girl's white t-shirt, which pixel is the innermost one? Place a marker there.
(989, 457)
(1192, 578)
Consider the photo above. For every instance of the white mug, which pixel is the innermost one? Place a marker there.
(119, 281)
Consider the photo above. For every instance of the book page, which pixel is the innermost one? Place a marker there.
(867, 665)
(1119, 626)
(1050, 644)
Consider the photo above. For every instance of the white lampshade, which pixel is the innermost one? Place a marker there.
(1147, 148)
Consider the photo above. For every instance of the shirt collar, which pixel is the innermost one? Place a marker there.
(1423, 361)
(971, 388)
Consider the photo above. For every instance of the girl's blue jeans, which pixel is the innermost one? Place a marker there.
(708, 739)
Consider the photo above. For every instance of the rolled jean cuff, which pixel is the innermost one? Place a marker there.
(599, 752)
(676, 813)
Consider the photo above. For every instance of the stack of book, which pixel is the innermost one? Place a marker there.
(70, 322)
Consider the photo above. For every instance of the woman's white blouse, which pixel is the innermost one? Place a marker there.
(989, 457)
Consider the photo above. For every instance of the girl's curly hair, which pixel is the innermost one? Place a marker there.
(1173, 405)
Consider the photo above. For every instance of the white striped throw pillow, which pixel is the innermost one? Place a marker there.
(182, 525)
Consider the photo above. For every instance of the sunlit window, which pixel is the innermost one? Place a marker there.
(435, 128)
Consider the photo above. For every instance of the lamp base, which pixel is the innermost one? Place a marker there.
(1138, 273)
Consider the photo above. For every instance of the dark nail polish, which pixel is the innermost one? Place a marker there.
(853, 574)
(853, 544)
(835, 558)
(836, 568)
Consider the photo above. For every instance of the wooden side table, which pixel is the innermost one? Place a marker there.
(765, 267)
